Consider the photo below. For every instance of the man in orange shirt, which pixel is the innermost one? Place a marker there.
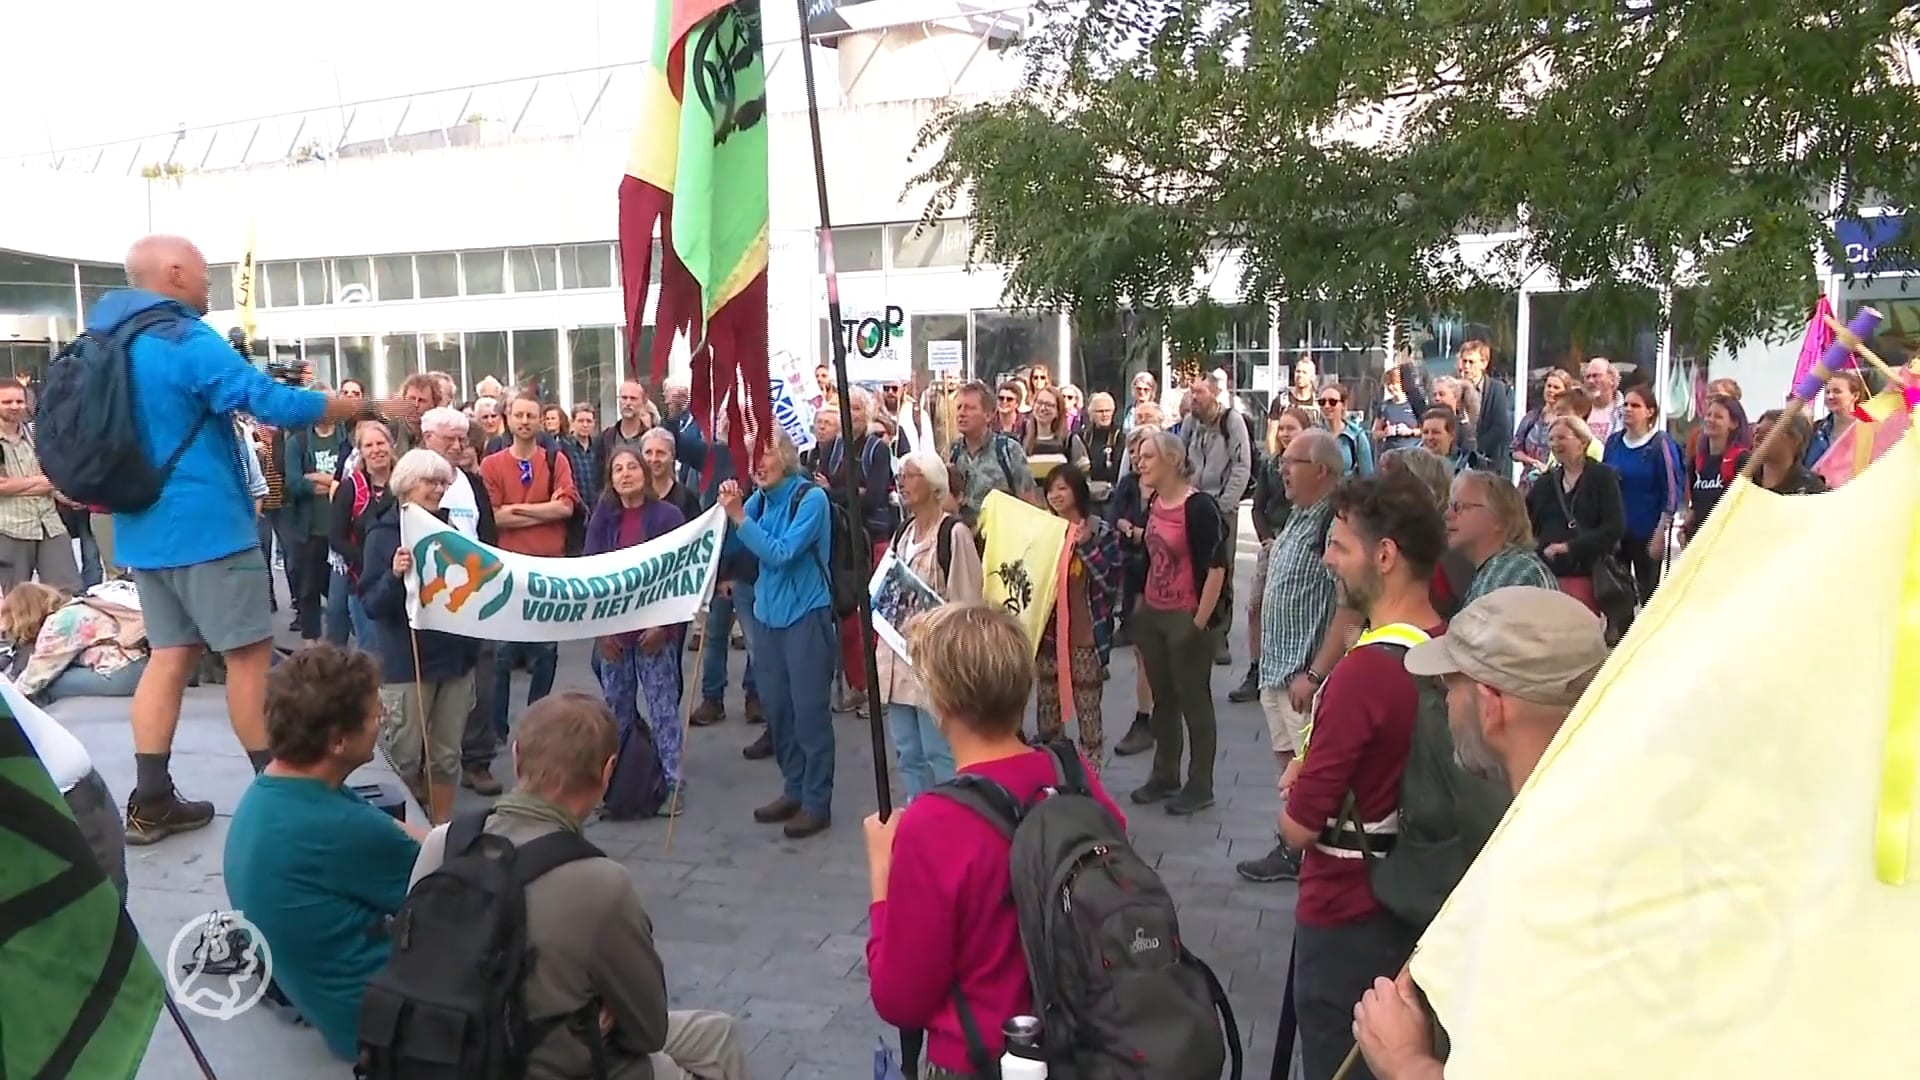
(533, 497)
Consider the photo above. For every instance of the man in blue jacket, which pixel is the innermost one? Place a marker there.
(195, 554)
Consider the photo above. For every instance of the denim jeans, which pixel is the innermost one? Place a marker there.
(713, 661)
(541, 656)
(91, 572)
(339, 623)
(925, 757)
(796, 666)
(366, 632)
(82, 681)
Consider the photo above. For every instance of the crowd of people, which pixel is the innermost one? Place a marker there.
(1402, 573)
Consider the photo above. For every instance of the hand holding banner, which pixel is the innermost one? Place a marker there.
(461, 586)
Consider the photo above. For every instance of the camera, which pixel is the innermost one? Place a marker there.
(285, 372)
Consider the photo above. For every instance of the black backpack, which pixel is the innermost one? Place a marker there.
(846, 582)
(88, 429)
(1118, 995)
(450, 1004)
(1445, 816)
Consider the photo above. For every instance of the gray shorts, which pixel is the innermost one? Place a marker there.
(223, 604)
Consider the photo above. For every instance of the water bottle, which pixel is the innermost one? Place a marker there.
(1021, 1061)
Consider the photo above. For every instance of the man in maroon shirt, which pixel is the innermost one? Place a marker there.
(1384, 542)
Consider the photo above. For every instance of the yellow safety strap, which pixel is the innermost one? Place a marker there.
(1405, 635)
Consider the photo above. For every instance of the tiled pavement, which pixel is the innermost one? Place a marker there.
(747, 921)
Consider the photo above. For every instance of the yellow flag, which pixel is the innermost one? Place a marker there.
(1707, 874)
(1022, 560)
(245, 278)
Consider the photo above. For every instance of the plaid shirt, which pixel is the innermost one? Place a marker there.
(25, 517)
(1298, 601)
(1101, 560)
(1510, 565)
(586, 467)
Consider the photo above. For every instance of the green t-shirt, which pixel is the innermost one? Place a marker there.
(314, 867)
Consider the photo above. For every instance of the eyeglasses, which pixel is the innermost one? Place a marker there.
(1332, 401)
(1007, 399)
(1457, 507)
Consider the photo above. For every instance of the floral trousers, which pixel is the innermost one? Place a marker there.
(1083, 672)
(646, 687)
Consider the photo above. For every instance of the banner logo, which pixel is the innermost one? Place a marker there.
(476, 568)
(229, 959)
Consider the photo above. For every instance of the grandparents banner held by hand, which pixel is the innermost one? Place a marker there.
(461, 586)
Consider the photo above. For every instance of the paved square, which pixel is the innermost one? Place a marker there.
(769, 929)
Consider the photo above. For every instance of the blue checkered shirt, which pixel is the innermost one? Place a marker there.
(1298, 601)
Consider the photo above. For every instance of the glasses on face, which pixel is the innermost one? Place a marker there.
(1458, 507)
(1331, 401)
(1007, 399)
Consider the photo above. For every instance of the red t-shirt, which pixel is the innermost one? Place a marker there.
(512, 482)
(1362, 728)
(1170, 560)
(947, 914)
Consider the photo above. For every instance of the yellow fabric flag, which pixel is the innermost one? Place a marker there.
(1022, 560)
(1705, 875)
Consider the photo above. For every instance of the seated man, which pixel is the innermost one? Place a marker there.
(589, 936)
(310, 862)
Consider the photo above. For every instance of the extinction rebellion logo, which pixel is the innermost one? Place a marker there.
(474, 569)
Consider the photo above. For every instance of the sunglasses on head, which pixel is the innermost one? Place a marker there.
(526, 474)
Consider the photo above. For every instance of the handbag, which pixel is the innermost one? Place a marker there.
(1613, 589)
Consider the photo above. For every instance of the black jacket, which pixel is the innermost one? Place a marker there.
(442, 656)
(1493, 431)
(1598, 518)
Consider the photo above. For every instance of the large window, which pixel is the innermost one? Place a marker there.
(941, 243)
(1565, 331)
(536, 362)
(1240, 346)
(586, 266)
(356, 363)
(1341, 346)
(282, 281)
(220, 287)
(352, 280)
(393, 277)
(322, 358)
(313, 283)
(595, 361)
(96, 280)
(400, 355)
(441, 352)
(924, 330)
(485, 272)
(1007, 341)
(1110, 348)
(535, 269)
(25, 362)
(856, 248)
(439, 275)
(486, 356)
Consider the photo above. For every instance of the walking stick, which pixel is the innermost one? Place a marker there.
(686, 723)
(426, 741)
(193, 1044)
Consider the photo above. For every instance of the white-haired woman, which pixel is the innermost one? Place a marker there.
(427, 704)
(1189, 551)
(792, 637)
(938, 547)
(446, 431)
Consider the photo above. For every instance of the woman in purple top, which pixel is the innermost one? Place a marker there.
(640, 672)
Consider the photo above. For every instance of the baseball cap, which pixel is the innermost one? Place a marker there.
(1536, 644)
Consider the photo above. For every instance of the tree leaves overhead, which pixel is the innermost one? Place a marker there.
(1338, 147)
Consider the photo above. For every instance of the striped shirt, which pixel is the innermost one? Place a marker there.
(25, 517)
(1511, 565)
(1298, 598)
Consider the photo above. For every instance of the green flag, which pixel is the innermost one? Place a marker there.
(81, 992)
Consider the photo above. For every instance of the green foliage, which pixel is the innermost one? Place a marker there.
(1339, 147)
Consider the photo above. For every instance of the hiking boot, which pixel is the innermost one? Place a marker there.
(1222, 655)
(1280, 864)
(1249, 688)
(674, 804)
(1188, 803)
(804, 825)
(738, 641)
(755, 713)
(154, 820)
(707, 714)
(1138, 737)
(760, 749)
(780, 809)
(479, 779)
(1149, 793)
(693, 641)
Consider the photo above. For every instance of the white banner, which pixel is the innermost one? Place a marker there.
(461, 586)
(795, 398)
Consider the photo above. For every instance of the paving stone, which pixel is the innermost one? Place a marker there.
(769, 929)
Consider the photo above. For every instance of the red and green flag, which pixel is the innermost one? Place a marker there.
(698, 175)
(80, 994)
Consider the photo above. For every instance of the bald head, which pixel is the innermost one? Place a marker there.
(170, 266)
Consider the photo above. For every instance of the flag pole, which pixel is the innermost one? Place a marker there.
(849, 488)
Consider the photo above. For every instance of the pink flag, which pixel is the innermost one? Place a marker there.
(1865, 440)
(1819, 336)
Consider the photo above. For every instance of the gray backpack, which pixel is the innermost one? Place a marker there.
(1118, 995)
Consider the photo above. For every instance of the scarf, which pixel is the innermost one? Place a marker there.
(526, 804)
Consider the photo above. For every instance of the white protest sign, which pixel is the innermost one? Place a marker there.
(945, 356)
(463, 587)
(877, 345)
(795, 398)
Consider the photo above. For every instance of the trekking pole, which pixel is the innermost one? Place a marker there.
(686, 723)
(426, 741)
(1353, 1056)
